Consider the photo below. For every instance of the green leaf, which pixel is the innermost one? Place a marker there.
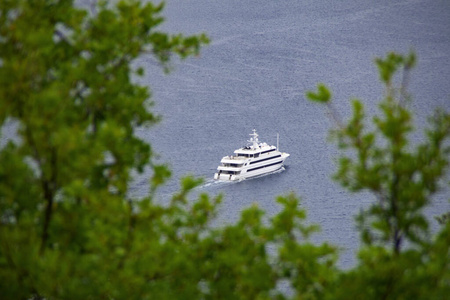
(323, 94)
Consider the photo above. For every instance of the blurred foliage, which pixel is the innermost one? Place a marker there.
(70, 230)
(399, 258)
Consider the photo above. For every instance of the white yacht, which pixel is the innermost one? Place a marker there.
(254, 159)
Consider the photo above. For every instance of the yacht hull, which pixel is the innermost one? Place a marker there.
(248, 173)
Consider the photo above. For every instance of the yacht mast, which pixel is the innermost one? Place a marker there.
(278, 137)
(254, 139)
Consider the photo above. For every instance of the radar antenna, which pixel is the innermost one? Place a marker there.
(254, 139)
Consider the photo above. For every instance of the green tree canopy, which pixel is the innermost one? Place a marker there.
(403, 177)
(65, 78)
(69, 230)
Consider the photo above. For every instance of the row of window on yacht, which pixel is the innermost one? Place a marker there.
(265, 166)
(253, 169)
(253, 162)
(261, 160)
(256, 154)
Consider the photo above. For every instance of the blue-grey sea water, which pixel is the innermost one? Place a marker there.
(263, 57)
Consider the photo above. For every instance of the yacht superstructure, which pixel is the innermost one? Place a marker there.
(252, 160)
